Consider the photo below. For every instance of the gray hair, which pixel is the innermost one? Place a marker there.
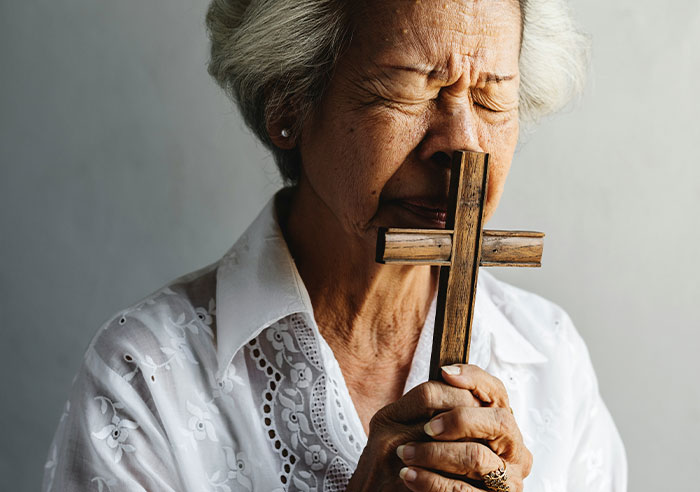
(270, 56)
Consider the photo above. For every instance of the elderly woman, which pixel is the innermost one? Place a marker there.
(298, 363)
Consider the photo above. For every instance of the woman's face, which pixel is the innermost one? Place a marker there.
(421, 79)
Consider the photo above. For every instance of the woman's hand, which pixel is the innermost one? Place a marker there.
(445, 436)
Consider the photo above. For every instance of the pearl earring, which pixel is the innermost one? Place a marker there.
(285, 132)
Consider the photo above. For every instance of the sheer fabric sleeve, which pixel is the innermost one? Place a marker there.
(598, 463)
(110, 437)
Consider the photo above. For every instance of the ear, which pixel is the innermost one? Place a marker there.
(281, 133)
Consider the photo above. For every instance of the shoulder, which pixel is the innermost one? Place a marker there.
(173, 325)
(543, 323)
(123, 420)
(520, 304)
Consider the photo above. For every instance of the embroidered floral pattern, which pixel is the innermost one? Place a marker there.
(301, 375)
(116, 432)
(281, 339)
(275, 412)
(180, 349)
(594, 466)
(104, 484)
(546, 430)
(200, 424)
(237, 473)
(225, 384)
(315, 457)
(205, 315)
(291, 399)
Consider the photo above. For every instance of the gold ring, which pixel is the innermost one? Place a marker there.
(497, 480)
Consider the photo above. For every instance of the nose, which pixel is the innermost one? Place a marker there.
(452, 127)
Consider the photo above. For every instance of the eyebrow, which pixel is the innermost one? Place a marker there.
(442, 74)
(493, 77)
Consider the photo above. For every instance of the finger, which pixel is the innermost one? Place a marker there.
(483, 385)
(496, 426)
(471, 459)
(386, 436)
(428, 398)
(421, 480)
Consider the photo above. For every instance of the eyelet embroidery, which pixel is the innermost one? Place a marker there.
(116, 432)
(295, 412)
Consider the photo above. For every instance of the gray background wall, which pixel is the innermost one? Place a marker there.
(122, 167)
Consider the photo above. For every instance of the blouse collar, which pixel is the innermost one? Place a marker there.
(258, 284)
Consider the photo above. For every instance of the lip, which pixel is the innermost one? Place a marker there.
(435, 211)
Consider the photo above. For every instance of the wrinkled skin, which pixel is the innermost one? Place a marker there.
(419, 80)
(479, 435)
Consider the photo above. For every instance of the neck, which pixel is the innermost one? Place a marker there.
(370, 314)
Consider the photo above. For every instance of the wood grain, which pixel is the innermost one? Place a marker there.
(457, 284)
(459, 249)
(434, 247)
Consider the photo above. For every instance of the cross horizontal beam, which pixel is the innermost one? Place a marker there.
(459, 250)
(434, 247)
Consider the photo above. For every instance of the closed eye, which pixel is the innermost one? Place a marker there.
(486, 108)
(491, 104)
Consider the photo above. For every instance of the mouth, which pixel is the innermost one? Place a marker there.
(429, 210)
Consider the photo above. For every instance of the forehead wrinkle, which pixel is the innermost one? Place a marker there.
(428, 36)
(467, 38)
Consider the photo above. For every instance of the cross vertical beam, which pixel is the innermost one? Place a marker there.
(459, 250)
(457, 284)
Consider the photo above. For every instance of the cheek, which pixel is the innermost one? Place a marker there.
(501, 147)
(385, 141)
(363, 153)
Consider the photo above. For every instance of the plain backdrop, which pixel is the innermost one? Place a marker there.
(123, 166)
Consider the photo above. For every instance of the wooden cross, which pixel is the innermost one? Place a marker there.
(459, 250)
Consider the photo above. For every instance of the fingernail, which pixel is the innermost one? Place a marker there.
(435, 427)
(406, 452)
(452, 370)
(407, 474)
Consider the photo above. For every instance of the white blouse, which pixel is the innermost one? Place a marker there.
(221, 382)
